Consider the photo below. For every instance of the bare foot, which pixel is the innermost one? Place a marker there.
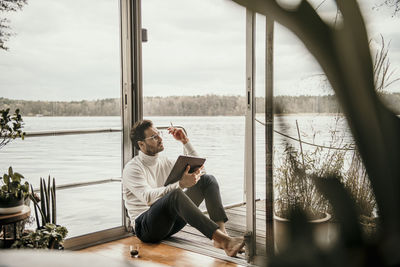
(233, 246)
(217, 244)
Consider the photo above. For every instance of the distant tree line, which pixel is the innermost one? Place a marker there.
(103, 107)
(208, 105)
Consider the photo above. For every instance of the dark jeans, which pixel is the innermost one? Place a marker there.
(169, 214)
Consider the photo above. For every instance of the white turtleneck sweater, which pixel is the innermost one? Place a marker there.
(143, 181)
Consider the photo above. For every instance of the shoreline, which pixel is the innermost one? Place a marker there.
(257, 114)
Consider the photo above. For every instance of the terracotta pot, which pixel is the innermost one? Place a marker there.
(9, 207)
(320, 228)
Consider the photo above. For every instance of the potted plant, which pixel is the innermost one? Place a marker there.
(13, 192)
(295, 188)
(48, 234)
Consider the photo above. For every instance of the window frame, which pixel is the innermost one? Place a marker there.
(131, 111)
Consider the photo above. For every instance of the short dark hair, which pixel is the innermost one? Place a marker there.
(137, 131)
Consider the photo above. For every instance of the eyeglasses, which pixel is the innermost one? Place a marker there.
(155, 136)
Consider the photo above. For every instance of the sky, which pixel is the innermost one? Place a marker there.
(70, 50)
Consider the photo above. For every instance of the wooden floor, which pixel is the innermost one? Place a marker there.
(189, 247)
(191, 239)
(156, 253)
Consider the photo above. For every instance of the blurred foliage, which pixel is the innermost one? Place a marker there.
(357, 183)
(383, 71)
(8, 6)
(10, 126)
(393, 4)
(344, 55)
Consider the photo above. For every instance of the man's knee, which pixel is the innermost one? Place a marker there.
(176, 195)
(209, 179)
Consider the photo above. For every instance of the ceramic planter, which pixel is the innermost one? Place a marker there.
(320, 228)
(10, 207)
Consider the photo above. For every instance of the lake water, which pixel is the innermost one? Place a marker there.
(88, 157)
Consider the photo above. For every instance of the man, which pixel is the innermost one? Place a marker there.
(157, 211)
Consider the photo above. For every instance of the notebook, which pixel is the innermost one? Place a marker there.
(180, 166)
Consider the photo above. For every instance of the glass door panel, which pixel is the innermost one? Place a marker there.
(63, 72)
(193, 76)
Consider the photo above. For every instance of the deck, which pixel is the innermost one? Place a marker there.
(189, 247)
(191, 239)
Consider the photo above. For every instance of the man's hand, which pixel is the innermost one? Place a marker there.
(190, 179)
(178, 134)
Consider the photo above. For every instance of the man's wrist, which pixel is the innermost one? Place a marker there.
(185, 141)
(180, 185)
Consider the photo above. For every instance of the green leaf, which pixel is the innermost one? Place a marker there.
(42, 201)
(19, 175)
(6, 179)
(48, 190)
(25, 187)
(53, 206)
(54, 202)
(41, 212)
(10, 171)
(47, 201)
(14, 186)
(35, 204)
(16, 178)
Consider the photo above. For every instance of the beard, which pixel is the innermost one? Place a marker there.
(160, 147)
(153, 150)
